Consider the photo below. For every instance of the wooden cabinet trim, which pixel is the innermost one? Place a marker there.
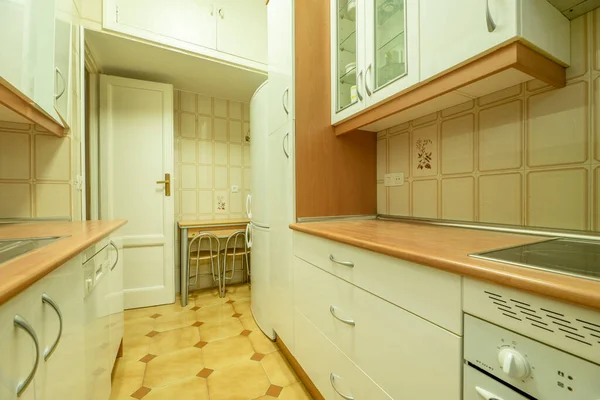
(514, 55)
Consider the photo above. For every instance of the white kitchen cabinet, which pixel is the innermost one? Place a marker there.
(280, 180)
(453, 32)
(280, 45)
(375, 52)
(115, 299)
(62, 67)
(242, 28)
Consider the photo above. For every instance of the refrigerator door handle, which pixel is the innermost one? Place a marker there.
(249, 206)
(249, 236)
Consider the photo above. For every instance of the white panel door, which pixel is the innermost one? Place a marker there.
(136, 151)
(454, 31)
(242, 29)
(262, 301)
(281, 62)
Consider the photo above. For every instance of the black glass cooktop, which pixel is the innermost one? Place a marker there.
(566, 256)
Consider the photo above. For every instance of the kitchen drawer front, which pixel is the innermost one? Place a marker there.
(430, 293)
(381, 331)
(320, 358)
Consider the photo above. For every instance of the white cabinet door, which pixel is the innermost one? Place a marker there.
(392, 47)
(262, 300)
(17, 347)
(281, 189)
(281, 63)
(62, 64)
(115, 298)
(347, 58)
(189, 21)
(455, 31)
(242, 29)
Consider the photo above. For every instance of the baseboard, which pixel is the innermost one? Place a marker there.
(308, 383)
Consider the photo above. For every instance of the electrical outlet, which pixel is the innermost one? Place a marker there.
(396, 179)
(235, 189)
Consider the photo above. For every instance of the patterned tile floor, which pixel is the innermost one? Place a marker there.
(210, 350)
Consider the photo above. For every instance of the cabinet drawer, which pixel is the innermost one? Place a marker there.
(381, 332)
(321, 359)
(430, 293)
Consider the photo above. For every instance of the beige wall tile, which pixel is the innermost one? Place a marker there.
(205, 177)
(235, 110)
(188, 150)
(188, 177)
(189, 202)
(52, 200)
(188, 125)
(220, 107)
(500, 199)
(399, 128)
(246, 156)
(501, 137)
(15, 159)
(205, 152)
(14, 126)
(236, 202)
(596, 39)
(457, 136)
(425, 119)
(221, 181)
(381, 158)
(235, 131)
(235, 154)
(503, 94)
(535, 85)
(424, 198)
(15, 200)
(235, 177)
(221, 202)
(579, 48)
(399, 200)
(247, 173)
(399, 153)
(558, 198)
(458, 199)
(221, 153)
(204, 128)
(52, 158)
(596, 110)
(597, 199)
(246, 111)
(187, 101)
(204, 104)
(382, 133)
(424, 145)
(205, 202)
(220, 129)
(557, 126)
(381, 199)
(468, 105)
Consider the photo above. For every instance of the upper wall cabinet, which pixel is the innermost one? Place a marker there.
(231, 30)
(375, 52)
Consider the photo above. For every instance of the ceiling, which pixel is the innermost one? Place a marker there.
(574, 8)
(115, 55)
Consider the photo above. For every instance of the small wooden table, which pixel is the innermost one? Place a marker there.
(221, 228)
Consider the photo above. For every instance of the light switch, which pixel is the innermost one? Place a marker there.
(235, 189)
(396, 179)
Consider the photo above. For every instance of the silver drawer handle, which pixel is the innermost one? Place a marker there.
(21, 323)
(64, 85)
(117, 252)
(284, 100)
(344, 263)
(49, 350)
(491, 24)
(369, 92)
(332, 378)
(350, 322)
(286, 137)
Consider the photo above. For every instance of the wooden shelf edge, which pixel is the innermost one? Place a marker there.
(514, 55)
(29, 111)
(306, 381)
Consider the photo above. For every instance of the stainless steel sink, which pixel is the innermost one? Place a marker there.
(12, 248)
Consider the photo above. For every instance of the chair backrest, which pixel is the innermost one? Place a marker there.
(212, 242)
(235, 241)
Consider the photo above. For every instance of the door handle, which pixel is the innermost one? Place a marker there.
(344, 263)
(369, 92)
(285, 151)
(332, 310)
(358, 83)
(21, 323)
(117, 253)
(332, 378)
(167, 183)
(48, 300)
(491, 24)
(64, 86)
(284, 100)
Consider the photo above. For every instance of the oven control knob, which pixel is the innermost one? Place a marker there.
(514, 364)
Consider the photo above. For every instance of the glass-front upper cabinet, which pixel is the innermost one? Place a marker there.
(375, 52)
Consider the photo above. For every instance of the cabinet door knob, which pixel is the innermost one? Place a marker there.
(49, 350)
(491, 24)
(22, 323)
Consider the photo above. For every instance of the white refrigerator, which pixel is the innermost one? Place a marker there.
(257, 209)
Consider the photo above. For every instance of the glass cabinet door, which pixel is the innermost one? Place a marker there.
(346, 55)
(389, 51)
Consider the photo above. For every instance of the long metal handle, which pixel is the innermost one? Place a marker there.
(249, 206)
(49, 350)
(358, 79)
(221, 13)
(491, 24)
(21, 323)
(167, 183)
(287, 136)
(117, 252)
(332, 378)
(248, 236)
(344, 263)
(332, 310)
(369, 92)
(64, 85)
(284, 100)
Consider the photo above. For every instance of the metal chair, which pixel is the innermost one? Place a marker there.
(211, 251)
(235, 246)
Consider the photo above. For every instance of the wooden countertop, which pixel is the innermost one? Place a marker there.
(212, 222)
(19, 273)
(447, 248)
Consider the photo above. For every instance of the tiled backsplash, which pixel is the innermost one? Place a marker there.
(211, 156)
(527, 155)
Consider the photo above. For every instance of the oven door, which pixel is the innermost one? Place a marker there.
(479, 386)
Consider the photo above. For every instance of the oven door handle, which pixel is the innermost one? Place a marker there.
(485, 395)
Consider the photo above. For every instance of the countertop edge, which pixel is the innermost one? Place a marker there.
(20, 282)
(513, 279)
